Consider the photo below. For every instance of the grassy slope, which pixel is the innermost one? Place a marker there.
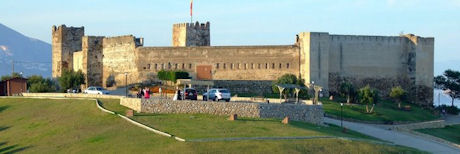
(210, 126)
(384, 111)
(77, 126)
(450, 133)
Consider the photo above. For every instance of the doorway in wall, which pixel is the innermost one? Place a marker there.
(204, 72)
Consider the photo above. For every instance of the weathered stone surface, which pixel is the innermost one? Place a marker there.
(233, 117)
(191, 34)
(129, 113)
(299, 112)
(323, 58)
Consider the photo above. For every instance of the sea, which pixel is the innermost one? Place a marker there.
(439, 98)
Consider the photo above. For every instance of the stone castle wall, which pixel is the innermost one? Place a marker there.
(380, 61)
(65, 41)
(191, 34)
(119, 57)
(327, 60)
(306, 113)
(227, 63)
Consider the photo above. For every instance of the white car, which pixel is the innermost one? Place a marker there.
(217, 94)
(96, 90)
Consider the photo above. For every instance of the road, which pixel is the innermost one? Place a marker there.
(397, 137)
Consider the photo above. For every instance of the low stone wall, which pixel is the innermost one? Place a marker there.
(71, 95)
(307, 113)
(421, 125)
(133, 103)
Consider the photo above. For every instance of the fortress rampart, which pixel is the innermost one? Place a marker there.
(322, 58)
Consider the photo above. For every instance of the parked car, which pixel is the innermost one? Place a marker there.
(217, 95)
(190, 93)
(96, 90)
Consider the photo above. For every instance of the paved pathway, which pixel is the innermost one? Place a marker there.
(397, 137)
(452, 119)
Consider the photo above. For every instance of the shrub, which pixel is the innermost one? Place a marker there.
(289, 79)
(398, 94)
(70, 79)
(347, 90)
(172, 75)
(37, 83)
(449, 109)
(14, 75)
(368, 96)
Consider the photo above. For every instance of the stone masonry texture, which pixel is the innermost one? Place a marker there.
(298, 112)
(325, 59)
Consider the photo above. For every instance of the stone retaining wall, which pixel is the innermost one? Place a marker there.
(307, 113)
(133, 103)
(75, 95)
(421, 125)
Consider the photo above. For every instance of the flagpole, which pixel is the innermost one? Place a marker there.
(191, 11)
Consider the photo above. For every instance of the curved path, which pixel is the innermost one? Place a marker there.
(397, 137)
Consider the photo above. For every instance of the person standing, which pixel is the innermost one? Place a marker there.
(146, 93)
(159, 91)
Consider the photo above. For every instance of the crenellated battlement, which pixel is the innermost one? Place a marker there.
(62, 27)
(383, 39)
(191, 34)
(197, 25)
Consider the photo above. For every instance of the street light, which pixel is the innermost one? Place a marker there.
(126, 84)
(314, 92)
(341, 115)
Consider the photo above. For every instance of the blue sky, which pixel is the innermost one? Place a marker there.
(243, 22)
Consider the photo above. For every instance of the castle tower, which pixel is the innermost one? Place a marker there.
(65, 41)
(191, 34)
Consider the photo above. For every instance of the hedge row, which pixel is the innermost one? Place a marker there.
(172, 75)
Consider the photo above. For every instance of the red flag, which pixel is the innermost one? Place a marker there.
(191, 7)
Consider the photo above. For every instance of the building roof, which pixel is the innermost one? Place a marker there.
(15, 78)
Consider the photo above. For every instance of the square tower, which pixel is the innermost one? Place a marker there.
(65, 41)
(191, 34)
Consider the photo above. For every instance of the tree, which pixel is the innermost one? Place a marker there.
(368, 96)
(347, 89)
(450, 83)
(14, 75)
(37, 83)
(288, 79)
(398, 94)
(70, 79)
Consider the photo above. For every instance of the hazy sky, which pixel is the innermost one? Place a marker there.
(243, 22)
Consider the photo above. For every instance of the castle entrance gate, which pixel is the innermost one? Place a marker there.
(204, 72)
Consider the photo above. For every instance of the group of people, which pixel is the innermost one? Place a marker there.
(144, 93)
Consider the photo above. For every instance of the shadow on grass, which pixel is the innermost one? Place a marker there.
(2, 128)
(2, 108)
(12, 148)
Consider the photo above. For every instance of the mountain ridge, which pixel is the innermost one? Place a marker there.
(31, 56)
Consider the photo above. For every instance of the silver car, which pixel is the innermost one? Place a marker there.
(96, 90)
(217, 95)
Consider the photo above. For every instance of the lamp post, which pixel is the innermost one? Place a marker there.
(314, 92)
(126, 84)
(341, 115)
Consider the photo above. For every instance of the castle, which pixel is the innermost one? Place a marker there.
(322, 58)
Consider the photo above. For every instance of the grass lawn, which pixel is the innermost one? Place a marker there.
(449, 133)
(78, 126)
(383, 111)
